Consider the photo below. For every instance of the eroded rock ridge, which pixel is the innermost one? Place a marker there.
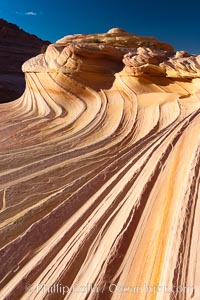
(99, 173)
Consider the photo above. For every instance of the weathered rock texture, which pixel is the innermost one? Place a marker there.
(99, 165)
(16, 46)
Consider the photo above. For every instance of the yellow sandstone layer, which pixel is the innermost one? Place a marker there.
(99, 173)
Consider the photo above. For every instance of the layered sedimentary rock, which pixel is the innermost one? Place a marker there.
(99, 173)
(16, 46)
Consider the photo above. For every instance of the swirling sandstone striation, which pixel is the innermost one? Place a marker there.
(99, 167)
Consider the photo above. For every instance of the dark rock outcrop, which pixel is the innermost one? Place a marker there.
(16, 46)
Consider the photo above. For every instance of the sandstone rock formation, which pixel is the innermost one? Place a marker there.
(99, 173)
(16, 46)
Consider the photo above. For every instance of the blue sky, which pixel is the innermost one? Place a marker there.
(171, 21)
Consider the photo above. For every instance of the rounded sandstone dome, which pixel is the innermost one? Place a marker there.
(117, 30)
